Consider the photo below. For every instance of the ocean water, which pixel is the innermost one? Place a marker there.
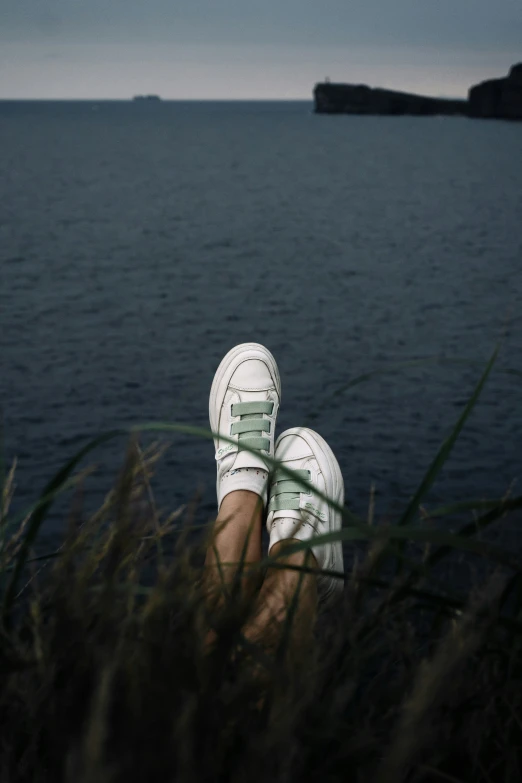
(138, 243)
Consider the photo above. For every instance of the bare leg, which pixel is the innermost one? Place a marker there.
(237, 537)
(287, 603)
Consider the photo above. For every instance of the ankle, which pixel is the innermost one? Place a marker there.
(242, 500)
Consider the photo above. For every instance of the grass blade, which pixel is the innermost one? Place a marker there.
(410, 533)
(450, 603)
(2, 482)
(39, 515)
(476, 505)
(446, 448)
(477, 525)
(393, 368)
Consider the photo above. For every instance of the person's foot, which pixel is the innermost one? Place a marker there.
(244, 401)
(294, 513)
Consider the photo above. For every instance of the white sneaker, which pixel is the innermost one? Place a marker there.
(295, 513)
(244, 401)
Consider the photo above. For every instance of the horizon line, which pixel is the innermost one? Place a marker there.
(161, 100)
(191, 100)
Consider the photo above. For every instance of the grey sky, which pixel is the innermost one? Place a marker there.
(242, 48)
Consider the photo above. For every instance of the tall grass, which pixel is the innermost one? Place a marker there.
(106, 673)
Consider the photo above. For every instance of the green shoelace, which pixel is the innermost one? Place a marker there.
(252, 425)
(285, 492)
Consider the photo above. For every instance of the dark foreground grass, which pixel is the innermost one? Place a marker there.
(105, 674)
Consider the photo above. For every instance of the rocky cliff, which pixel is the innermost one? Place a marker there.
(498, 98)
(361, 99)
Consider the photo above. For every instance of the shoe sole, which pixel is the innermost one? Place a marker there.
(227, 368)
(329, 468)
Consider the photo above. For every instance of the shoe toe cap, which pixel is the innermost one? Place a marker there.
(293, 446)
(252, 375)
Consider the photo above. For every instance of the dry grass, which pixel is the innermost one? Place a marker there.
(106, 676)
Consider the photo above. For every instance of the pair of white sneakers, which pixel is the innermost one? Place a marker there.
(244, 402)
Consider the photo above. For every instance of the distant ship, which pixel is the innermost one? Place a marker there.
(146, 98)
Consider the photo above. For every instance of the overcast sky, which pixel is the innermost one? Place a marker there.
(251, 48)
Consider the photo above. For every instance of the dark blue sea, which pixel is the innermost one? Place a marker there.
(138, 243)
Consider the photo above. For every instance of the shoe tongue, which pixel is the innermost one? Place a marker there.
(246, 459)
